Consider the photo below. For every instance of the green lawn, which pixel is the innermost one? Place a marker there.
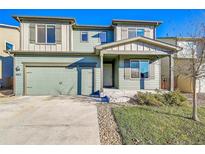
(160, 125)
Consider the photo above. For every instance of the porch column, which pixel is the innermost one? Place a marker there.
(101, 72)
(171, 72)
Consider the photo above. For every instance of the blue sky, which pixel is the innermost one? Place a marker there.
(175, 22)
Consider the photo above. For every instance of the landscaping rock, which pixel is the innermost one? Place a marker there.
(108, 128)
(122, 96)
(119, 96)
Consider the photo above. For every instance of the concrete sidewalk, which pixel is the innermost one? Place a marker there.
(48, 120)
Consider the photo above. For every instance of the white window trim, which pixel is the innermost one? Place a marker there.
(105, 36)
(9, 43)
(81, 41)
(36, 36)
(139, 68)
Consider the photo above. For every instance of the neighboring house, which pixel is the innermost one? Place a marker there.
(9, 40)
(57, 56)
(182, 82)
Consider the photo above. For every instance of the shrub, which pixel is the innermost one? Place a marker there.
(159, 99)
(146, 99)
(175, 98)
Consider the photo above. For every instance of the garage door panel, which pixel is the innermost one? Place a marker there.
(51, 81)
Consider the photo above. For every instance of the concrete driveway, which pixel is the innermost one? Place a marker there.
(48, 120)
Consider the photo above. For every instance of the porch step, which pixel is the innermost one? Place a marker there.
(100, 97)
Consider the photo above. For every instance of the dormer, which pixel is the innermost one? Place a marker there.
(125, 29)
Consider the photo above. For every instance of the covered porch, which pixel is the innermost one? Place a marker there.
(134, 64)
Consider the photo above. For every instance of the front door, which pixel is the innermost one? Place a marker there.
(107, 75)
(87, 81)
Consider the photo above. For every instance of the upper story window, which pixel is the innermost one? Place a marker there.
(103, 37)
(50, 34)
(84, 36)
(41, 33)
(46, 34)
(133, 32)
(140, 32)
(9, 46)
(139, 68)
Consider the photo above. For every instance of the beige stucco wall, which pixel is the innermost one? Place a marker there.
(11, 35)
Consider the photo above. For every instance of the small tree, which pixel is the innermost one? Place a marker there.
(194, 62)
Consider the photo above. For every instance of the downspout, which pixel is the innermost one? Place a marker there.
(71, 36)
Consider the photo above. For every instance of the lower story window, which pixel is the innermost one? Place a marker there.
(139, 68)
(144, 69)
(134, 69)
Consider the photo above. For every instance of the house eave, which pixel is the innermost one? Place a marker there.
(43, 18)
(151, 53)
(9, 26)
(92, 27)
(135, 22)
(183, 38)
(55, 53)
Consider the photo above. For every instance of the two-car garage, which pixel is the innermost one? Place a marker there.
(58, 80)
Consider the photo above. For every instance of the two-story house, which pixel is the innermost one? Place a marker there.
(58, 56)
(9, 40)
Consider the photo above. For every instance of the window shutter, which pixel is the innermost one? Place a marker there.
(151, 69)
(127, 69)
(124, 33)
(32, 30)
(58, 34)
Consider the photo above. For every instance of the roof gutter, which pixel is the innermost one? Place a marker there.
(8, 52)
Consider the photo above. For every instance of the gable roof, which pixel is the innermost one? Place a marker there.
(137, 22)
(141, 39)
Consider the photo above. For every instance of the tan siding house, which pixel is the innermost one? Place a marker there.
(9, 37)
(182, 82)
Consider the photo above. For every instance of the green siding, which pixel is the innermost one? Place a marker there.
(51, 81)
(87, 81)
(116, 71)
(19, 60)
(134, 84)
(120, 82)
(93, 39)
